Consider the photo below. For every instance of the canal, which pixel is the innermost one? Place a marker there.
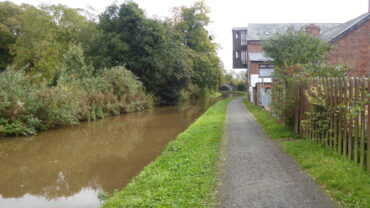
(68, 167)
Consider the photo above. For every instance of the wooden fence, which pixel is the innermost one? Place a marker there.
(343, 119)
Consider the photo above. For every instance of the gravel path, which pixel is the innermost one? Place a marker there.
(257, 173)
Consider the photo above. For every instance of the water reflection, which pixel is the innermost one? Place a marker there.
(69, 166)
(86, 198)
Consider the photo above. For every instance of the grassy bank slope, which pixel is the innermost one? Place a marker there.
(346, 183)
(185, 174)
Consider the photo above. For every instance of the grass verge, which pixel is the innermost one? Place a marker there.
(185, 174)
(347, 184)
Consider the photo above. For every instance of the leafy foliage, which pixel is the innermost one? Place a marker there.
(191, 23)
(148, 47)
(27, 107)
(46, 33)
(169, 57)
(319, 112)
(297, 57)
(9, 31)
(238, 80)
(67, 67)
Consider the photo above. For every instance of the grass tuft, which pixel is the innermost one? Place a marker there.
(185, 174)
(346, 183)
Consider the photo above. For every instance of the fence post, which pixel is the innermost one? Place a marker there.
(335, 104)
(356, 99)
(345, 119)
(363, 123)
(350, 119)
(368, 128)
(340, 111)
(297, 107)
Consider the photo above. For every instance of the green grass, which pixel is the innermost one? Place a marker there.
(274, 129)
(346, 183)
(185, 174)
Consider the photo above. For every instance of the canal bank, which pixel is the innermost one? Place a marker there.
(67, 167)
(185, 174)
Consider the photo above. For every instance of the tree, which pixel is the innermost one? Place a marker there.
(149, 48)
(46, 34)
(9, 30)
(297, 54)
(235, 79)
(191, 23)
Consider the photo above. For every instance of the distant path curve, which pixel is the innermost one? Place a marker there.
(257, 173)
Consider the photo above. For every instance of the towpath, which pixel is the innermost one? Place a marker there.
(257, 173)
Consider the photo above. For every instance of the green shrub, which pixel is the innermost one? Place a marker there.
(27, 107)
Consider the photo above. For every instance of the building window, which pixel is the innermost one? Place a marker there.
(237, 35)
(244, 57)
(244, 38)
(236, 54)
(266, 70)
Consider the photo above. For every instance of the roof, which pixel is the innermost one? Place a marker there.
(261, 31)
(258, 57)
(240, 28)
(341, 30)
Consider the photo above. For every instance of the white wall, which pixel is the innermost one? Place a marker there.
(251, 97)
(255, 79)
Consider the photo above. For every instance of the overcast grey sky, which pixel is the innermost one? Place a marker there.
(226, 14)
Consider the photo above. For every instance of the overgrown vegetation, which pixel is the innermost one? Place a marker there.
(185, 174)
(319, 112)
(236, 80)
(175, 59)
(346, 183)
(27, 107)
(297, 57)
(69, 65)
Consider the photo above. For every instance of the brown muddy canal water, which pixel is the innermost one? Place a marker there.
(68, 167)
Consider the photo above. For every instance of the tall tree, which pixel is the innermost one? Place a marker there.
(46, 34)
(150, 48)
(191, 23)
(9, 30)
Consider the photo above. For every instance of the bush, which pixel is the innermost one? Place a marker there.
(242, 87)
(27, 107)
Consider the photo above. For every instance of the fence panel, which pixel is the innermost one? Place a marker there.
(345, 127)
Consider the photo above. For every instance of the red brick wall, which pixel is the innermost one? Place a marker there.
(255, 47)
(254, 68)
(354, 51)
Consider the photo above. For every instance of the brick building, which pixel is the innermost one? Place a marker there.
(352, 45)
(351, 41)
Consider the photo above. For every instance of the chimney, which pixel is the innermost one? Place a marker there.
(313, 29)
